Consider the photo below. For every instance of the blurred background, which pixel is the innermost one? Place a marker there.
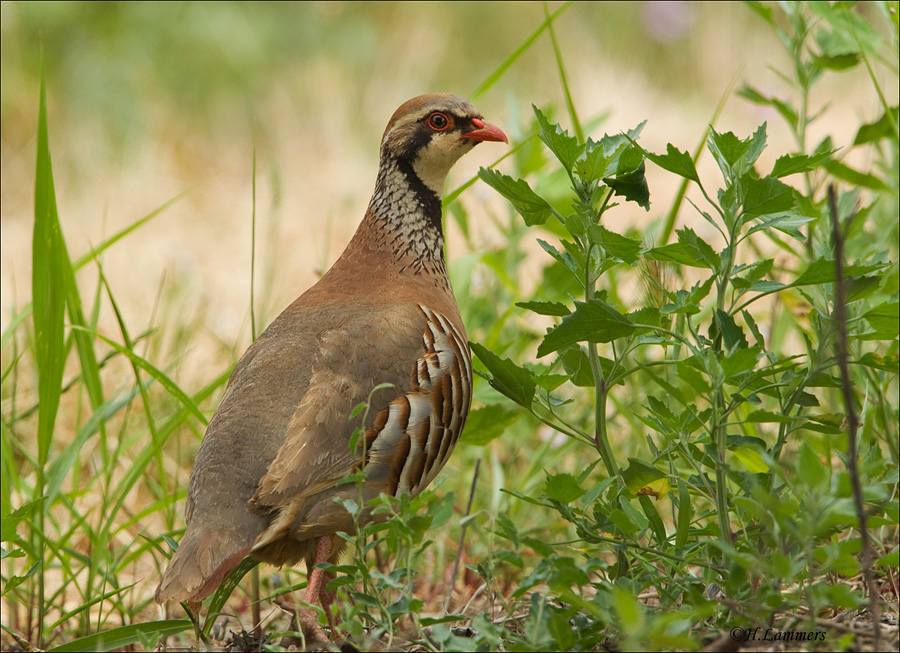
(149, 100)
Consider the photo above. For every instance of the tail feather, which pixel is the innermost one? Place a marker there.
(203, 560)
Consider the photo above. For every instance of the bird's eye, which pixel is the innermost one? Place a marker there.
(438, 122)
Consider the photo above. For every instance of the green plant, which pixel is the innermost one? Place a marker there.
(746, 445)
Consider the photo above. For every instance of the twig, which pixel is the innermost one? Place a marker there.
(841, 355)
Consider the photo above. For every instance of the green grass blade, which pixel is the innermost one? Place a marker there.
(124, 636)
(48, 293)
(563, 78)
(112, 240)
(221, 595)
(155, 372)
(63, 463)
(515, 54)
(48, 288)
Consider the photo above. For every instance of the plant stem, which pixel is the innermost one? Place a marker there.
(601, 441)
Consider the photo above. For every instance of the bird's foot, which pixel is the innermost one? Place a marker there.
(304, 621)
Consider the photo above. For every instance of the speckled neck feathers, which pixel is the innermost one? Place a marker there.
(404, 220)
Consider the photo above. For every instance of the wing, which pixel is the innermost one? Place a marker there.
(414, 428)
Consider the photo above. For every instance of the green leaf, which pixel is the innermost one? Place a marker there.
(11, 521)
(592, 321)
(729, 152)
(822, 270)
(685, 514)
(656, 522)
(577, 365)
(531, 206)
(810, 467)
(640, 474)
(545, 308)
(751, 459)
(675, 252)
(740, 361)
(855, 177)
(564, 147)
(732, 334)
(884, 127)
(509, 379)
(676, 161)
(788, 112)
(224, 591)
(621, 247)
(488, 423)
(632, 186)
(885, 319)
(608, 155)
(878, 362)
(791, 164)
(563, 488)
(789, 222)
(766, 416)
(767, 195)
(761, 10)
(698, 249)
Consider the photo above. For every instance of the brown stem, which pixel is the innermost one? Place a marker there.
(841, 354)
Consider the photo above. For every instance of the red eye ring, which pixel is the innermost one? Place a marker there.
(438, 121)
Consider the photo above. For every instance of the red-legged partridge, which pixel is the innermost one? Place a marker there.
(265, 478)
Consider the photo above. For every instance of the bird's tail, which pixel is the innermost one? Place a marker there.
(203, 560)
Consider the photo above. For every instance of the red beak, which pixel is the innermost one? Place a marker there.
(485, 132)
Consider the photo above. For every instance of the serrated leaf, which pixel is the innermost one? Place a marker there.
(885, 319)
(733, 155)
(11, 521)
(767, 195)
(878, 362)
(632, 186)
(578, 367)
(615, 245)
(791, 164)
(698, 248)
(592, 321)
(565, 148)
(555, 309)
(648, 315)
(563, 488)
(675, 252)
(509, 379)
(732, 334)
(823, 270)
(531, 206)
(676, 161)
(740, 361)
(488, 423)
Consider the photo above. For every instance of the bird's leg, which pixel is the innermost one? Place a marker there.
(305, 619)
(318, 580)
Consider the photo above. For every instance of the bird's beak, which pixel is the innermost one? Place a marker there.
(485, 132)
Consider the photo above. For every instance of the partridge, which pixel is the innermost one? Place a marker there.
(266, 476)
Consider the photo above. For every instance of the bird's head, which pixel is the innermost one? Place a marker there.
(431, 132)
